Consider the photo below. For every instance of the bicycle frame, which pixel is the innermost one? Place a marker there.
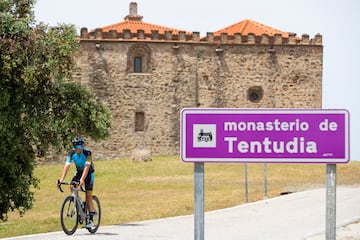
(78, 203)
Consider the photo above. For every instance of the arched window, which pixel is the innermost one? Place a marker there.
(139, 59)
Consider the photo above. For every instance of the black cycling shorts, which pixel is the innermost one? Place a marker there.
(89, 180)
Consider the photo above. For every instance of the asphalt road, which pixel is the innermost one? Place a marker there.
(295, 216)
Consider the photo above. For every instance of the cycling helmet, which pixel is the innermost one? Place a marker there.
(76, 141)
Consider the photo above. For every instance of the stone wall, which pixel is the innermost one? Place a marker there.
(189, 71)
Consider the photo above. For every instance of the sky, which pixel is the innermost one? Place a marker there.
(336, 20)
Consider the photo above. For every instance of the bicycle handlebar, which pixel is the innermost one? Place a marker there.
(73, 183)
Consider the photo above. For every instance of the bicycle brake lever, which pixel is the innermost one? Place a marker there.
(59, 186)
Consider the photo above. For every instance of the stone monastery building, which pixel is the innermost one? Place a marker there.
(147, 73)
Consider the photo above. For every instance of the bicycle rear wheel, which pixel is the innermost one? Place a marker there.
(97, 216)
(69, 216)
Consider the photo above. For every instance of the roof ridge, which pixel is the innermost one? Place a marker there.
(246, 23)
(265, 27)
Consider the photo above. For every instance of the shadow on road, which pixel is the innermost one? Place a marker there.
(130, 225)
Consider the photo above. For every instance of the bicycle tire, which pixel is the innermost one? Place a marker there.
(97, 216)
(69, 216)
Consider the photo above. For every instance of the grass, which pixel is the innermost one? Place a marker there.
(161, 188)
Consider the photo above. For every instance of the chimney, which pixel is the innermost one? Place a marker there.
(133, 16)
(133, 8)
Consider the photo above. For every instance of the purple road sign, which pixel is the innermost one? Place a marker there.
(265, 135)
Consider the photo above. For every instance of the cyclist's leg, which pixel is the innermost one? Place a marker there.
(76, 178)
(89, 186)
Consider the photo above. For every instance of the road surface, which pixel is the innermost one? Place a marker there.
(294, 216)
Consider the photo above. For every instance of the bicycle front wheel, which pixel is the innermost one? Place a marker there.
(69, 216)
(97, 216)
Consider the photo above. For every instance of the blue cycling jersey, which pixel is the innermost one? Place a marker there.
(79, 160)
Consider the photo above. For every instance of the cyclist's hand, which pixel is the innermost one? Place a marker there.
(81, 183)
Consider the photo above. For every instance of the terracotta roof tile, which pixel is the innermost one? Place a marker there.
(133, 22)
(249, 26)
(133, 26)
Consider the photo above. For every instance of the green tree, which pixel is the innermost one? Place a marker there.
(39, 104)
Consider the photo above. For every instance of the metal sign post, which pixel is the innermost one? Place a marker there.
(330, 201)
(246, 183)
(199, 201)
(265, 181)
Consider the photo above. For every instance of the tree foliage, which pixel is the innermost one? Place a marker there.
(39, 104)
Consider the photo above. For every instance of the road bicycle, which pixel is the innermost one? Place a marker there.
(74, 211)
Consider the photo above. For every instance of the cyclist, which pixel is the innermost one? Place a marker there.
(84, 172)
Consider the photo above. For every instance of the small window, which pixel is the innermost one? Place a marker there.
(138, 64)
(139, 121)
(255, 94)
